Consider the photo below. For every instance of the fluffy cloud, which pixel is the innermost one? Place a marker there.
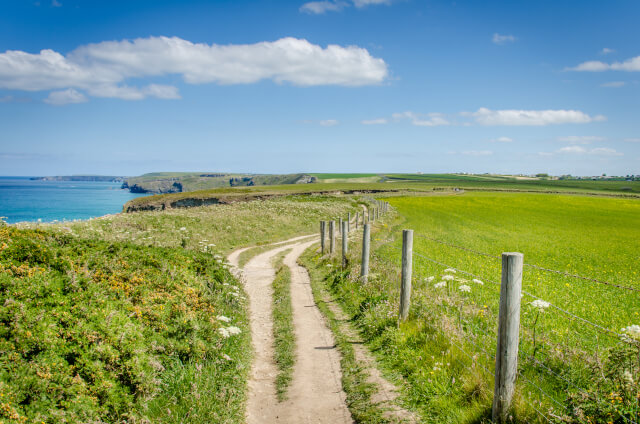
(64, 97)
(379, 121)
(580, 139)
(502, 39)
(629, 65)
(503, 140)
(320, 7)
(323, 6)
(484, 116)
(428, 120)
(102, 69)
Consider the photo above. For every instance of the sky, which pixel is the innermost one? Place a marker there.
(126, 87)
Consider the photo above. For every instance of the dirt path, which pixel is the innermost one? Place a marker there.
(315, 394)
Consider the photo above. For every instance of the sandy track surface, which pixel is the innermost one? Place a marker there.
(315, 394)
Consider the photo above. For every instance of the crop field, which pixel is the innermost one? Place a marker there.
(502, 182)
(579, 354)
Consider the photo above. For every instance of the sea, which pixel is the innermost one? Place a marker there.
(23, 199)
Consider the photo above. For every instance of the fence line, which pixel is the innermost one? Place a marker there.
(555, 271)
(564, 311)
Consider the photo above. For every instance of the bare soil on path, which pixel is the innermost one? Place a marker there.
(315, 394)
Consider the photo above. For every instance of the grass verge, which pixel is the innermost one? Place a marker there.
(283, 329)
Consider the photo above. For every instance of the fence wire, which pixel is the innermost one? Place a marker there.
(538, 267)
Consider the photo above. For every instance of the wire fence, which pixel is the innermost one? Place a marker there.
(477, 342)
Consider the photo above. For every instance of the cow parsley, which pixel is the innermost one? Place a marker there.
(464, 288)
(540, 305)
(440, 284)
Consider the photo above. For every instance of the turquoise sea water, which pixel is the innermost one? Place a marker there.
(22, 199)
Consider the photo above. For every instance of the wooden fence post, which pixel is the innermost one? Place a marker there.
(323, 230)
(357, 219)
(508, 336)
(405, 285)
(366, 239)
(345, 243)
(332, 237)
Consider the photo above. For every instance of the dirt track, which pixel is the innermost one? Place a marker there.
(315, 394)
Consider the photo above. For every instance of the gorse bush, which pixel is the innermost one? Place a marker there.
(89, 330)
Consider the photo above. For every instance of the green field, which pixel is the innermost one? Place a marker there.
(444, 353)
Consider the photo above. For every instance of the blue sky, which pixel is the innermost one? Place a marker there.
(127, 87)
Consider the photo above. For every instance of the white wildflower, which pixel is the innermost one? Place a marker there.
(429, 279)
(440, 284)
(464, 288)
(632, 332)
(475, 280)
(183, 228)
(540, 305)
(450, 270)
(223, 332)
(628, 377)
(447, 277)
(225, 356)
(223, 318)
(234, 330)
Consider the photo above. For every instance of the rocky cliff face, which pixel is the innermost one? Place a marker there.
(159, 187)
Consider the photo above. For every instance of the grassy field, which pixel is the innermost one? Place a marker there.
(216, 229)
(443, 355)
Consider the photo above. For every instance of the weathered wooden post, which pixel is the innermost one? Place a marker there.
(405, 285)
(339, 225)
(508, 336)
(332, 237)
(345, 243)
(323, 231)
(366, 239)
(357, 219)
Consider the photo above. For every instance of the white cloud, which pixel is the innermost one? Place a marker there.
(613, 84)
(503, 140)
(102, 69)
(484, 116)
(477, 152)
(428, 120)
(503, 39)
(629, 65)
(598, 151)
(580, 139)
(329, 122)
(606, 51)
(364, 3)
(379, 121)
(320, 7)
(59, 98)
(632, 140)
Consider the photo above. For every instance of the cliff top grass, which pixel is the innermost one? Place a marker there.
(410, 183)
